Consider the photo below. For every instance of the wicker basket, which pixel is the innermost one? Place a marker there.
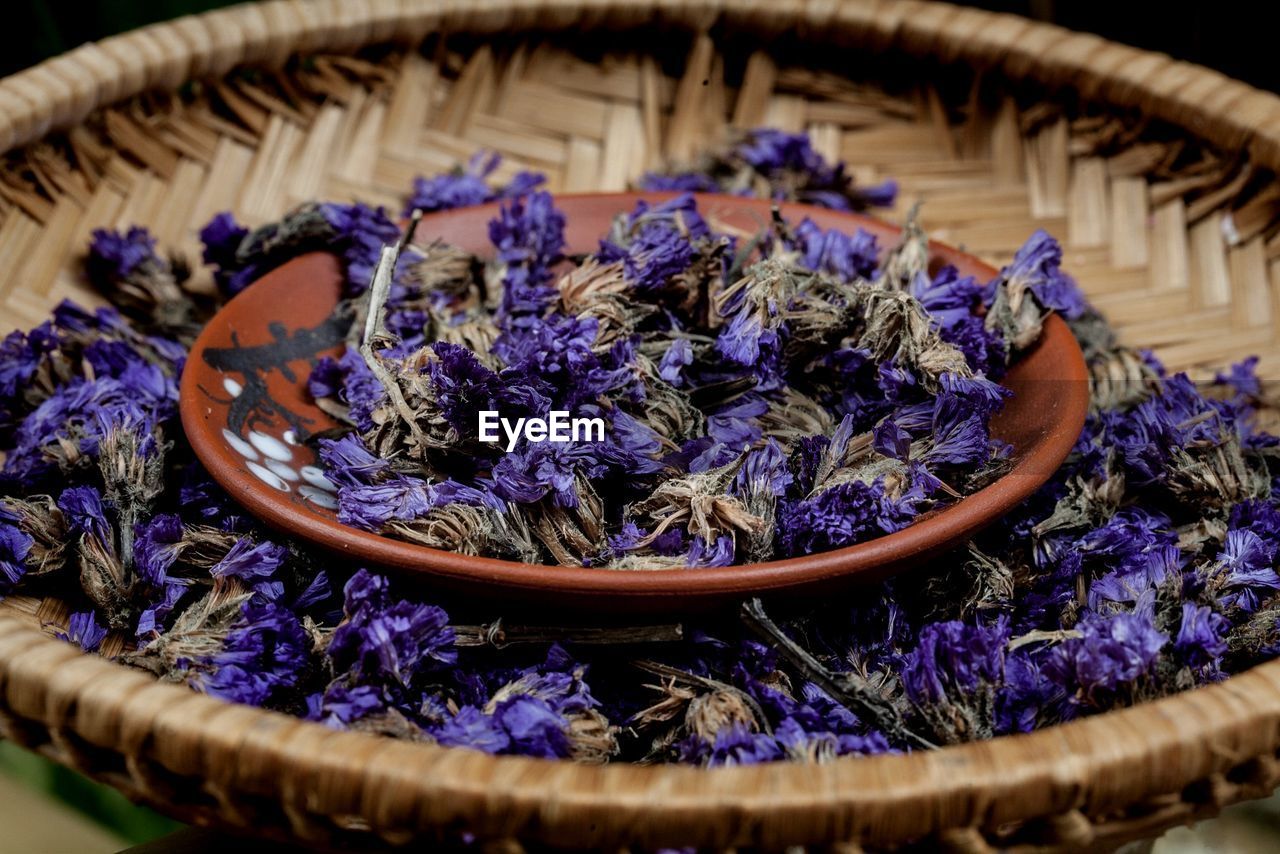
(1156, 173)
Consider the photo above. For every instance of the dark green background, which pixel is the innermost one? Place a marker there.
(1229, 35)
(33, 31)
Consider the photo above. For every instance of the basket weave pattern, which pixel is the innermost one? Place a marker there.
(1156, 174)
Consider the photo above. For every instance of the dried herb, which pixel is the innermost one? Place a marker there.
(806, 344)
(1145, 566)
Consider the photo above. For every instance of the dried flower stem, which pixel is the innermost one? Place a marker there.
(848, 689)
(1041, 636)
(500, 636)
(379, 292)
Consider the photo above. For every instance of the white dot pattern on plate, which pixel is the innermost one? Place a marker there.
(270, 446)
(315, 477)
(285, 472)
(318, 496)
(240, 446)
(267, 476)
(233, 388)
(277, 471)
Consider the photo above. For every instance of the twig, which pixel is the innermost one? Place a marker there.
(499, 636)
(848, 689)
(1037, 636)
(379, 292)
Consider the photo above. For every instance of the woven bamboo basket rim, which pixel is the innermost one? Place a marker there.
(1092, 782)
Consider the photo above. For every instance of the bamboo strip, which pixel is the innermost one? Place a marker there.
(1129, 223)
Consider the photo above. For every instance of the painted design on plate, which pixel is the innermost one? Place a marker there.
(264, 434)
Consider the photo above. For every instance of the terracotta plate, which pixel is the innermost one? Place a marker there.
(246, 412)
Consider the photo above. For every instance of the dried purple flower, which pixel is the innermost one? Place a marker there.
(472, 728)
(157, 544)
(255, 564)
(528, 236)
(222, 237)
(362, 231)
(849, 257)
(117, 255)
(15, 546)
(389, 643)
(82, 506)
(1202, 636)
(952, 659)
(657, 243)
(678, 356)
(264, 654)
(468, 186)
(532, 727)
(1242, 378)
(1112, 652)
(1243, 573)
(842, 515)
(83, 629)
(735, 745)
(775, 164)
(959, 435)
(1033, 284)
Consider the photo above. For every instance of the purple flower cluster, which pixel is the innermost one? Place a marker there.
(790, 325)
(262, 657)
(381, 654)
(240, 256)
(468, 186)
(656, 244)
(108, 374)
(1112, 653)
(83, 630)
(528, 236)
(741, 396)
(775, 164)
(117, 255)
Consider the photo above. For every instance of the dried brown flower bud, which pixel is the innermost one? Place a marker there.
(1120, 378)
(445, 268)
(592, 740)
(675, 699)
(599, 291)
(771, 282)
(303, 227)
(131, 458)
(908, 259)
(990, 582)
(40, 519)
(1220, 475)
(699, 502)
(1016, 314)
(570, 534)
(391, 723)
(455, 527)
(793, 414)
(203, 546)
(667, 409)
(1088, 502)
(198, 633)
(105, 581)
(898, 327)
(475, 330)
(707, 714)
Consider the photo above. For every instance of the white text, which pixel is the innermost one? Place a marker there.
(559, 427)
